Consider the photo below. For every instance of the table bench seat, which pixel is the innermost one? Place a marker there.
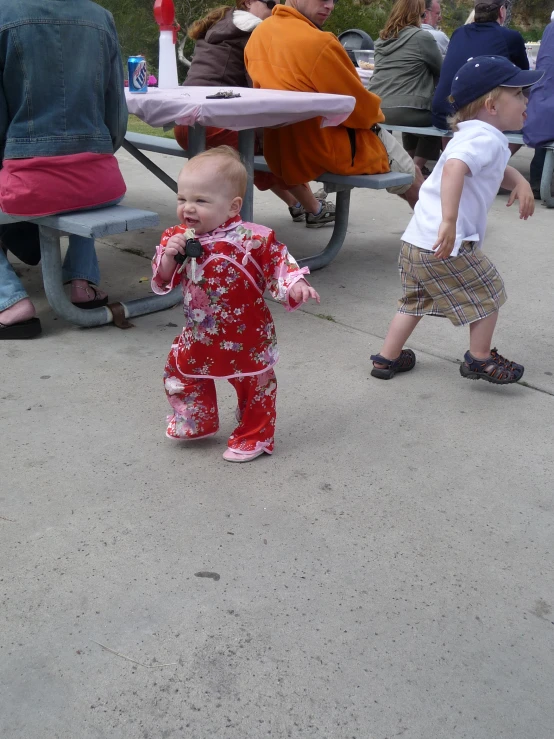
(513, 138)
(342, 185)
(96, 223)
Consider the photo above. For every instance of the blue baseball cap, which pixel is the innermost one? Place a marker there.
(481, 74)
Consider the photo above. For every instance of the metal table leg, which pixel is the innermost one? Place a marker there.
(246, 149)
(197, 140)
(150, 166)
(53, 287)
(546, 179)
(197, 144)
(318, 261)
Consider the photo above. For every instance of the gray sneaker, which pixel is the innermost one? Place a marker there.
(327, 215)
(297, 214)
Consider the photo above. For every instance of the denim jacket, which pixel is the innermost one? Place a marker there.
(61, 79)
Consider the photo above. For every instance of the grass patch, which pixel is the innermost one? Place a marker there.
(137, 126)
(325, 317)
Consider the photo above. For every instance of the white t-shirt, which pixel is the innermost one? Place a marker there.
(485, 151)
(440, 37)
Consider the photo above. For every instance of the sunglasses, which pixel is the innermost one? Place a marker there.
(270, 3)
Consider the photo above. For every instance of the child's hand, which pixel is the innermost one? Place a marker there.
(300, 292)
(446, 239)
(175, 245)
(522, 192)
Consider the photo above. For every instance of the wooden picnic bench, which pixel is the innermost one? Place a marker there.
(513, 138)
(342, 185)
(96, 223)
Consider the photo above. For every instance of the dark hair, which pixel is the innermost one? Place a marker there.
(428, 4)
(487, 13)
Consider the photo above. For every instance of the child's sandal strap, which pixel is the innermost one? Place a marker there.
(496, 369)
(381, 360)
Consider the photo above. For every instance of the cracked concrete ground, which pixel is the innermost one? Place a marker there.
(387, 573)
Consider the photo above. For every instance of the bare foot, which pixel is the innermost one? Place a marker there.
(23, 310)
(83, 292)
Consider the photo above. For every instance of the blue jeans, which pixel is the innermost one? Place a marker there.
(80, 263)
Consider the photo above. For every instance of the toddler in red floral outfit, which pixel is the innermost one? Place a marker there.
(229, 332)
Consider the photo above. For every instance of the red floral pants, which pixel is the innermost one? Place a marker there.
(195, 414)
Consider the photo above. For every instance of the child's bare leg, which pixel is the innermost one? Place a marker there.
(306, 198)
(483, 363)
(285, 195)
(480, 336)
(400, 329)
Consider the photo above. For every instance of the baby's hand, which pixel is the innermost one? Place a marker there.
(522, 192)
(175, 245)
(300, 292)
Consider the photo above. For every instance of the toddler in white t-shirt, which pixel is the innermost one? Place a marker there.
(442, 268)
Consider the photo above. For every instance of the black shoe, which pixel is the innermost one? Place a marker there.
(22, 330)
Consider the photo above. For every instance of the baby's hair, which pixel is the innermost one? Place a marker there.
(469, 112)
(228, 164)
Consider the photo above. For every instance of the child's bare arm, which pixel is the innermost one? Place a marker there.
(452, 184)
(521, 190)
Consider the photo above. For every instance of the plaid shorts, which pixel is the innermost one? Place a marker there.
(464, 288)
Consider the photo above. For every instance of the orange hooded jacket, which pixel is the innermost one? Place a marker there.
(289, 52)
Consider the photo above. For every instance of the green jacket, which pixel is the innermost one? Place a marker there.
(407, 69)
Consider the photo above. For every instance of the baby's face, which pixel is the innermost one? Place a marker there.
(204, 202)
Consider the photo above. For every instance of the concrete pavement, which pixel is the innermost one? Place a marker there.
(387, 573)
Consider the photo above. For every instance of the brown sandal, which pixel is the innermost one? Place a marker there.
(496, 369)
(403, 363)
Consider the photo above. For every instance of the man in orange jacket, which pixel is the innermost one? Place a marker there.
(289, 51)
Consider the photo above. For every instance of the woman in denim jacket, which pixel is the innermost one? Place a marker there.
(62, 116)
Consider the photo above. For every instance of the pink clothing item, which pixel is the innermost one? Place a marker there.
(229, 331)
(43, 186)
(195, 413)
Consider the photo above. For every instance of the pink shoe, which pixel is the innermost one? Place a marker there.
(230, 455)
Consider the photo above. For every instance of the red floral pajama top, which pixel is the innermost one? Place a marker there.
(229, 331)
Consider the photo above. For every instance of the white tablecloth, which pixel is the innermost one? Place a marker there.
(254, 108)
(365, 75)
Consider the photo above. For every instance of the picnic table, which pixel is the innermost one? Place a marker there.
(255, 108)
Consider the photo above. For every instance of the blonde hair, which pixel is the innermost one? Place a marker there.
(200, 28)
(404, 13)
(228, 165)
(469, 112)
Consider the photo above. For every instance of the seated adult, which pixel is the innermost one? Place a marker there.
(289, 51)
(218, 60)
(539, 126)
(486, 36)
(407, 67)
(430, 22)
(62, 115)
